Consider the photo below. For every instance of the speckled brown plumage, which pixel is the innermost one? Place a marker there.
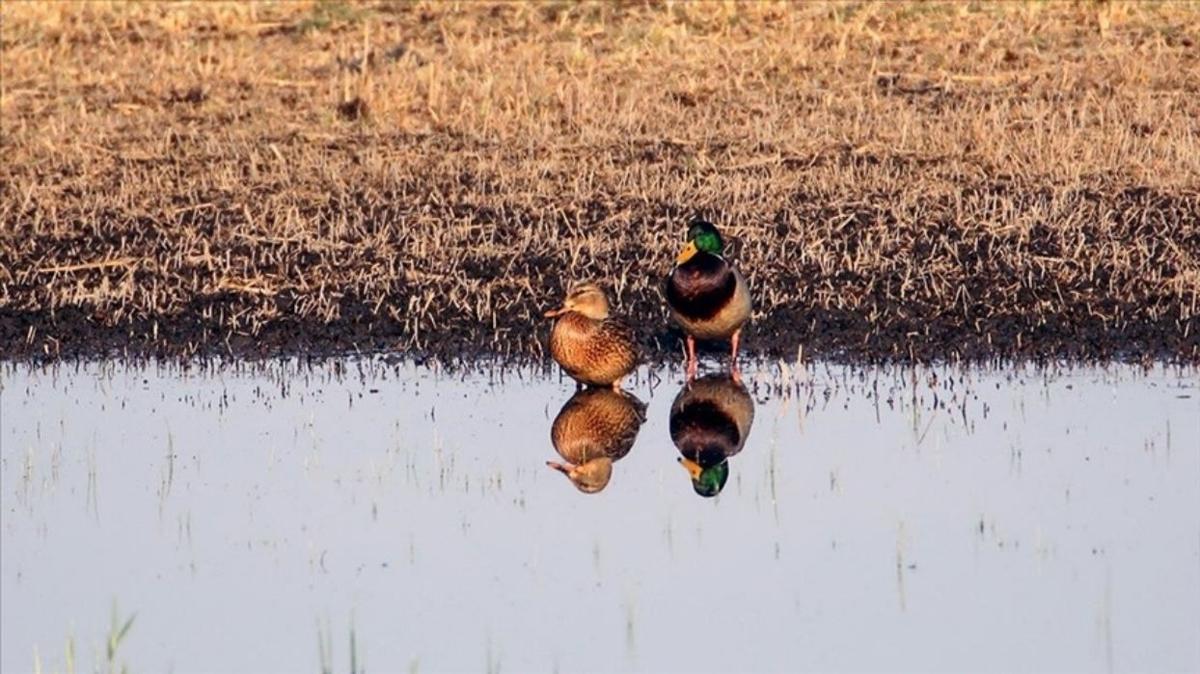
(598, 352)
(592, 430)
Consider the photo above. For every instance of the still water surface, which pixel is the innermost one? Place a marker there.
(821, 519)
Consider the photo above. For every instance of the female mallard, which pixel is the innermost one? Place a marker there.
(710, 419)
(592, 347)
(709, 299)
(595, 428)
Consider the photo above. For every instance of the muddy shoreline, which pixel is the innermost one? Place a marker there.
(70, 334)
(936, 290)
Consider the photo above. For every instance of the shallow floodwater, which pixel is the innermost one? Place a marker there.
(255, 518)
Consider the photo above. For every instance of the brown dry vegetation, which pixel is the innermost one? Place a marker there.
(902, 180)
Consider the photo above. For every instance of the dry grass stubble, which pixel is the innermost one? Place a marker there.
(902, 181)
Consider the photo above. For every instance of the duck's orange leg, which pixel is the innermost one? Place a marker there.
(733, 364)
(693, 365)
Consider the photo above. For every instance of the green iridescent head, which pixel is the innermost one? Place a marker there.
(702, 236)
(707, 482)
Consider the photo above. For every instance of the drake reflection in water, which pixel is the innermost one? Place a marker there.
(710, 420)
(592, 430)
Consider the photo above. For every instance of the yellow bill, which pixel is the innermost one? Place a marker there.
(692, 467)
(686, 254)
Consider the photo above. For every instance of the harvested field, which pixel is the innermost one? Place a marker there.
(901, 181)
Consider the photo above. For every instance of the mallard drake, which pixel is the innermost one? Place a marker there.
(594, 348)
(710, 419)
(709, 299)
(592, 430)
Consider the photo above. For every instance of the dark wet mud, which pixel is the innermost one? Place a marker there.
(831, 335)
(937, 290)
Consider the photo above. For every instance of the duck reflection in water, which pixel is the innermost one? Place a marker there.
(595, 428)
(710, 420)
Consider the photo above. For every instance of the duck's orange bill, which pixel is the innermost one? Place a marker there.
(692, 467)
(686, 254)
(555, 312)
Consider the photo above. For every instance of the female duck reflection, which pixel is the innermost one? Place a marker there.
(592, 430)
(710, 420)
